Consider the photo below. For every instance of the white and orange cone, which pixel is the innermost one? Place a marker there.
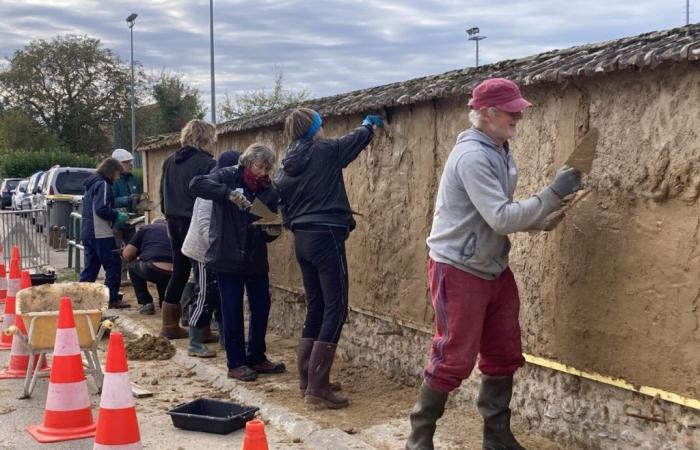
(117, 426)
(9, 319)
(67, 414)
(3, 283)
(19, 353)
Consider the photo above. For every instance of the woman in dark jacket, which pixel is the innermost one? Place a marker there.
(96, 229)
(316, 207)
(238, 255)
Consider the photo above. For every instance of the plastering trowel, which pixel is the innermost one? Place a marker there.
(581, 159)
(261, 210)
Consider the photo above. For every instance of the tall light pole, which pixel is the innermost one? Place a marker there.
(211, 43)
(687, 12)
(130, 21)
(474, 36)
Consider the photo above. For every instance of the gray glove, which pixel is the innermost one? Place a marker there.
(566, 181)
(238, 199)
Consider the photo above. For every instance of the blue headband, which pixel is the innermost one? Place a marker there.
(315, 126)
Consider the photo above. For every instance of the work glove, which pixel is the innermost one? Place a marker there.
(238, 199)
(122, 217)
(373, 120)
(566, 181)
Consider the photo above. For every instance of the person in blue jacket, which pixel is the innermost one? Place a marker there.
(96, 231)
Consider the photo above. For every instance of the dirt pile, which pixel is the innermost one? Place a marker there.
(149, 347)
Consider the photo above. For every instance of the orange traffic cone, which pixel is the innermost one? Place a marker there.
(3, 283)
(19, 354)
(255, 438)
(117, 427)
(10, 304)
(67, 414)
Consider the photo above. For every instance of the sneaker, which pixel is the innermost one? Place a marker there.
(147, 310)
(268, 366)
(243, 373)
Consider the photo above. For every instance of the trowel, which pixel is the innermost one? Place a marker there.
(261, 210)
(581, 158)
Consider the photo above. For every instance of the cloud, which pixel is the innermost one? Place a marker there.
(331, 46)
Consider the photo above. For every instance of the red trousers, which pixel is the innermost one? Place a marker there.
(473, 317)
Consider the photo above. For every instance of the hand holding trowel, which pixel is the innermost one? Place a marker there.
(581, 159)
(267, 217)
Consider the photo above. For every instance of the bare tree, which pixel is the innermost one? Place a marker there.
(259, 101)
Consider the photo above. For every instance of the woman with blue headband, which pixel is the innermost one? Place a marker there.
(315, 207)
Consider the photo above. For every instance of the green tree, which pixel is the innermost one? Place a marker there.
(177, 103)
(72, 85)
(19, 130)
(251, 103)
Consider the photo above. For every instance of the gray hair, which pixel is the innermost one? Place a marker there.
(475, 116)
(256, 152)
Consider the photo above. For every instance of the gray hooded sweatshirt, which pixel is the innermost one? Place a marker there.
(475, 211)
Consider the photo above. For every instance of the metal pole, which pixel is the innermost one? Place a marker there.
(687, 12)
(477, 52)
(211, 40)
(133, 107)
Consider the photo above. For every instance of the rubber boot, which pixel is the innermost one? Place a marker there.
(494, 406)
(303, 354)
(171, 317)
(318, 391)
(424, 416)
(197, 347)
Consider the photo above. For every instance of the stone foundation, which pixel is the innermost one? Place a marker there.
(564, 407)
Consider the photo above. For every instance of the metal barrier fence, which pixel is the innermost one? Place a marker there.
(75, 247)
(24, 229)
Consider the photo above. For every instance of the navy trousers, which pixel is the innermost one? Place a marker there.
(231, 288)
(101, 253)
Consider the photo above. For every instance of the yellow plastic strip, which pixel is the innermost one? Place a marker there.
(617, 382)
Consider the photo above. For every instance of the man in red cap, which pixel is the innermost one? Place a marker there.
(473, 291)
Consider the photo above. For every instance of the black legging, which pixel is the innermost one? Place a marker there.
(177, 228)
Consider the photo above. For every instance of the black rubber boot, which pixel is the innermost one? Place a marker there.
(424, 416)
(303, 354)
(318, 390)
(494, 406)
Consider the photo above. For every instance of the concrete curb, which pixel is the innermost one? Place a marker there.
(297, 426)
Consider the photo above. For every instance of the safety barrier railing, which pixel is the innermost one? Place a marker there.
(75, 246)
(24, 229)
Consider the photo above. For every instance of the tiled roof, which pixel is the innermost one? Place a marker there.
(648, 50)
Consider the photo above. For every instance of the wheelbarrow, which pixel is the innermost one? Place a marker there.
(38, 306)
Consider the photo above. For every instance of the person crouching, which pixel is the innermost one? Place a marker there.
(238, 255)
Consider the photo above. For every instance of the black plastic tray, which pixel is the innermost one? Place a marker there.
(42, 278)
(211, 416)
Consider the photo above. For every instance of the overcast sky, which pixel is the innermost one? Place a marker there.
(329, 46)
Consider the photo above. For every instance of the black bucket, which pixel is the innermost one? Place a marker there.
(42, 278)
(211, 416)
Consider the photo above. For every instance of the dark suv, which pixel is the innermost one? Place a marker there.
(6, 188)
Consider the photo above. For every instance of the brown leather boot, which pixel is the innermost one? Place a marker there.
(318, 391)
(171, 322)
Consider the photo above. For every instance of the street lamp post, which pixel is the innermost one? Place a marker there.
(474, 36)
(211, 44)
(130, 21)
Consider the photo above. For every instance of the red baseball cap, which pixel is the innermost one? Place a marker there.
(499, 92)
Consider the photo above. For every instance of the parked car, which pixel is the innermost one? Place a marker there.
(8, 185)
(20, 196)
(60, 193)
(33, 185)
(35, 198)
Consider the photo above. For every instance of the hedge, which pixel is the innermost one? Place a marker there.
(23, 163)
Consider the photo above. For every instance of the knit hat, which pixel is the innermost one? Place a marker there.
(228, 158)
(122, 155)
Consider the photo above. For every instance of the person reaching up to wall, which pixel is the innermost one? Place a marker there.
(473, 291)
(176, 203)
(315, 207)
(237, 253)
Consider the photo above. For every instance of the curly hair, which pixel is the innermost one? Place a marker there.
(198, 134)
